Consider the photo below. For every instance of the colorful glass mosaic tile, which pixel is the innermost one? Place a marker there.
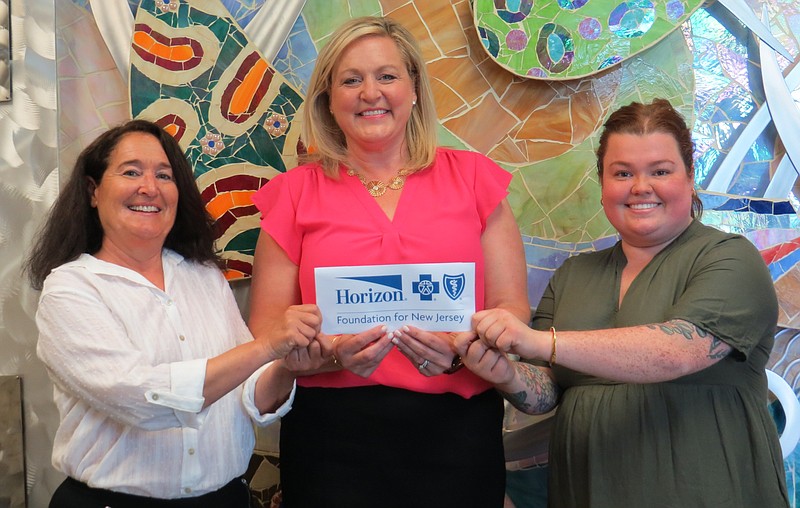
(194, 72)
(567, 39)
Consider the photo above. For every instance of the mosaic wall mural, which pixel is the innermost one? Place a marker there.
(527, 83)
(567, 39)
(195, 73)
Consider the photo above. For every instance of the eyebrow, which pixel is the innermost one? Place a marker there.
(380, 69)
(138, 162)
(652, 163)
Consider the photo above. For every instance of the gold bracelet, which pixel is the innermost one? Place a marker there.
(553, 350)
(333, 344)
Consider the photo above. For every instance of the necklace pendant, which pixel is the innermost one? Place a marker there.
(397, 182)
(376, 188)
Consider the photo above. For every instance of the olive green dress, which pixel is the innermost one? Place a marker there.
(702, 440)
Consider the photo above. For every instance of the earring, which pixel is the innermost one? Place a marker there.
(413, 103)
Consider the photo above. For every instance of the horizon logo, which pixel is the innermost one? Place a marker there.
(425, 287)
(345, 296)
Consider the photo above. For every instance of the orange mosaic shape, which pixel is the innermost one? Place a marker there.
(173, 54)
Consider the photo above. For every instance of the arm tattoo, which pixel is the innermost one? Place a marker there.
(716, 348)
(540, 395)
(679, 327)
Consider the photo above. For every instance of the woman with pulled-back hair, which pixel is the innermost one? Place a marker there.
(657, 346)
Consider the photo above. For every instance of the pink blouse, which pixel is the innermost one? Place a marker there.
(321, 221)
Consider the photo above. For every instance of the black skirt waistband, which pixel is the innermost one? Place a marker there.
(74, 494)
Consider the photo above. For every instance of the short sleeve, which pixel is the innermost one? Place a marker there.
(545, 309)
(730, 295)
(491, 186)
(277, 201)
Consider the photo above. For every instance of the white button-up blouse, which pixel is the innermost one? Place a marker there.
(128, 363)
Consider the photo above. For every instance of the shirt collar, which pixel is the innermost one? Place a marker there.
(170, 259)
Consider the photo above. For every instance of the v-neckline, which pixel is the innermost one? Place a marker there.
(663, 252)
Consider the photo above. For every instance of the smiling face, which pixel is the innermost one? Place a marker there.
(137, 198)
(646, 189)
(372, 94)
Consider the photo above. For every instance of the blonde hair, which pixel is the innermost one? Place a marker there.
(323, 136)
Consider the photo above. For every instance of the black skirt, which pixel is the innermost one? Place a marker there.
(378, 446)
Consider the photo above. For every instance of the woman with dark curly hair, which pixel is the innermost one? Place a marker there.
(157, 378)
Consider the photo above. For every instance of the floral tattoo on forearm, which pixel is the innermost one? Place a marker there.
(690, 332)
(540, 395)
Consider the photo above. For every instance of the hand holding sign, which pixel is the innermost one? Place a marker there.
(362, 353)
(300, 325)
(314, 358)
(433, 353)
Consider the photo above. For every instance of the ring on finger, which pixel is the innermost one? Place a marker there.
(423, 364)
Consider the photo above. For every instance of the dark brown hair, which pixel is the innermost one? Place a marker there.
(640, 119)
(73, 225)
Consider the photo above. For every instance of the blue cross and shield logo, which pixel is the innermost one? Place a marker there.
(426, 287)
(454, 285)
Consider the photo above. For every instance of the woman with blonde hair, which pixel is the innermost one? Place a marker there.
(383, 417)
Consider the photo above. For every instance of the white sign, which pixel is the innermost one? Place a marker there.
(438, 297)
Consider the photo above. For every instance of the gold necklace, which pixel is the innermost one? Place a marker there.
(377, 188)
